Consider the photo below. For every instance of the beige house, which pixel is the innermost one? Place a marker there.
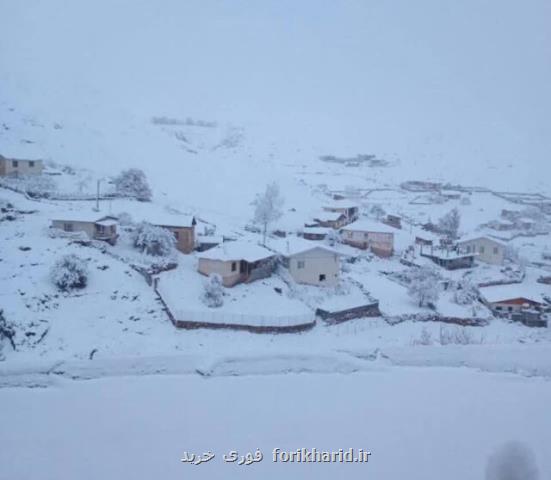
(308, 262)
(182, 227)
(488, 250)
(102, 228)
(367, 234)
(515, 301)
(237, 262)
(16, 167)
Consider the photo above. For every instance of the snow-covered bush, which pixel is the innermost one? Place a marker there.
(37, 186)
(332, 238)
(268, 208)
(213, 293)
(153, 240)
(132, 182)
(513, 461)
(124, 219)
(466, 292)
(7, 331)
(449, 223)
(423, 286)
(69, 272)
(458, 336)
(424, 339)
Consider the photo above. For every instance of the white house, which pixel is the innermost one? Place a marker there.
(488, 250)
(309, 262)
(370, 234)
(94, 226)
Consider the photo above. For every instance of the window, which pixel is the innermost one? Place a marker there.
(496, 250)
(349, 234)
(322, 278)
(482, 249)
(15, 163)
(233, 266)
(499, 308)
(31, 163)
(366, 235)
(300, 264)
(68, 227)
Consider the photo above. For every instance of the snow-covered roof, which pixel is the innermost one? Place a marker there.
(329, 216)
(82, 216)
(501, 293)
(317, 230)
(341, 204)
(472, 238)
(238, 250)
(444, 254)
(292, 246)
(163, 219)
(108, 222)
(366, 225)
(209, 239)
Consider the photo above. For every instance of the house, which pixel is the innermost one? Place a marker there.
(393, 220)
(334, 220)
(206, 242)
(449, 259)
(517, 301)
(237, 262)
(369, 234)
(96, 228)
(346, 208)
(428, 239)
(308, 262)
(16, 167)
(487, 250)
(182, 226)
(315, 233)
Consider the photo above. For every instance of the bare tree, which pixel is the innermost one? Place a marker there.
(268, 208)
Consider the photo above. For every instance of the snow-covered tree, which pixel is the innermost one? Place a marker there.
(132, 182)
(213, 293)
(332, 238)
(513, 461)
(69, 272)
(449, 223)
(466, 292)
(154, 240)
(423, 286)
(268, 208)
(7, 331)
(124, 219)
(39, 186)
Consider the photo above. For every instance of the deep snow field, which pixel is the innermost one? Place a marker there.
(417, 423)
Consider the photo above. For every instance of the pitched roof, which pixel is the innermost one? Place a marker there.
(366, 225)
(292, 246)
(502, 293)
(472, 238)
(163, 219)
(83, 216)
(238, 250)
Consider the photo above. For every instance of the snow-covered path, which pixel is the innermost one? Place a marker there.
(418, 423)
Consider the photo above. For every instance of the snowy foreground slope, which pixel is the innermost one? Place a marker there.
(419, 424)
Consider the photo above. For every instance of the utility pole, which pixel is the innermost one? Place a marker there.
(97, 195)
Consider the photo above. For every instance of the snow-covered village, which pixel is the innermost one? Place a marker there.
(208, 259)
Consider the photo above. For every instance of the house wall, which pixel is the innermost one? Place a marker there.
(86, 227)
(230, 278)
(488, 251)
(23, 167)
(381, 244)
(316, 262)
(185, 237)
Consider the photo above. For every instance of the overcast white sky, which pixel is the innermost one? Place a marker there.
(469, 77)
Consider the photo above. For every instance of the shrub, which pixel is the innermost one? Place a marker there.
(69, 272)
(153, 240)
(213, 294)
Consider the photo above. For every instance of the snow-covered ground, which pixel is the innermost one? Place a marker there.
(416, 423)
